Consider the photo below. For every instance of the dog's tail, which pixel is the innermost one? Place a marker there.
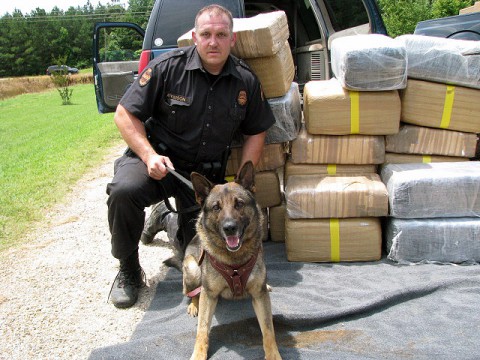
(175, 261)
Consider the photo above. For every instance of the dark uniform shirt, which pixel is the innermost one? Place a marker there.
(195, 115)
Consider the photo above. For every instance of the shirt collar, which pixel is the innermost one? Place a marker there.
(194, 63)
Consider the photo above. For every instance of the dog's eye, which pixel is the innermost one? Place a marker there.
(216, 207)
(239, 204)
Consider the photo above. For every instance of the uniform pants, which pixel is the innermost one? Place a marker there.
(131, 191)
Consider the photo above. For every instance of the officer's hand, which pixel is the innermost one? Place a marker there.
(156, 166)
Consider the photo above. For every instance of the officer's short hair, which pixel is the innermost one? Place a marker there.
(216, 10)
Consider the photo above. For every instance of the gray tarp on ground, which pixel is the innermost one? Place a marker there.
(377, 310)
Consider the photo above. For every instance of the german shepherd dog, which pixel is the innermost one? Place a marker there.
(225, 258)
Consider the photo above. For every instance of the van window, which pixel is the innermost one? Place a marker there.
(176, 17)
(345, 14)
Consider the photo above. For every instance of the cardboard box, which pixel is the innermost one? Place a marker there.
(313, 197)
(333, 240)
(330, 109)
(413, 139)
(441, 106)
(337, 149)
(435, 190)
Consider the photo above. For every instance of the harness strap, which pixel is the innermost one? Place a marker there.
(235, 275)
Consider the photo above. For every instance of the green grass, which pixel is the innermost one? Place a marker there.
(44, 148)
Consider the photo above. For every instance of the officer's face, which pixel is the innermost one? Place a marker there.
(214, 41)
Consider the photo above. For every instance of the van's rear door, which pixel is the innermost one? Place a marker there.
(116, 53)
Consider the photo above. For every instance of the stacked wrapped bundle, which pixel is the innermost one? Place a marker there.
(434, 212)
(334, 198)
(440, 101)
(371, 62)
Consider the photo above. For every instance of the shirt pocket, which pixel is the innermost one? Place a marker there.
(179, 115)
(237, 115)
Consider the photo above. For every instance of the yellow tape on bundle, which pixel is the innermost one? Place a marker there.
(331, 169)
(334, 240)
(426, 159)
(354, 112)
(448, 106)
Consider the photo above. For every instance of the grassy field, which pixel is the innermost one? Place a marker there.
(44, 148)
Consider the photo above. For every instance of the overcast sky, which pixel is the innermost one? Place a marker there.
(26, 6)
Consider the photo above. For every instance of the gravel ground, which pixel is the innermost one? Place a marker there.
(54, 287)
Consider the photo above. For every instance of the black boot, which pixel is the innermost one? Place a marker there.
(157, 221)
(130, 278)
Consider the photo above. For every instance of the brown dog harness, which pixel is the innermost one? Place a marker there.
(236, 276)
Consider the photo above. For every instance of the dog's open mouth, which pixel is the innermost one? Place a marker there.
(233, 242)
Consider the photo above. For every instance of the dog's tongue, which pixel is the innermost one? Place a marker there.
(233, 241)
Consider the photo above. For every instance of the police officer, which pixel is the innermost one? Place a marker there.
(182, 113)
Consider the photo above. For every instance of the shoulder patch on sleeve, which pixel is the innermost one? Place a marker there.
(145, 78)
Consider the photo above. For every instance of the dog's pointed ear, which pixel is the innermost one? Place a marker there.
(246, 176)
(202, 186)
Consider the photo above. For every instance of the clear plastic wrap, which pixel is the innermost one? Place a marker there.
(442, 240)
(330, 109)
(273, 157)
(413, 139)
(441, 106)
(435, 190)
(449, 61)
(371, 62)
(311, 196)
(288, 116)
(337, 149)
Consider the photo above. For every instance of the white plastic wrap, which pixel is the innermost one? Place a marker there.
(450, 61)
(370, 62)
(435, 190)
(288, 116)
(443, 240)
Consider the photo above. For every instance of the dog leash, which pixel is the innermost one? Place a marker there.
(180, 177)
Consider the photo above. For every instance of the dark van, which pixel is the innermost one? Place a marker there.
(122, 50)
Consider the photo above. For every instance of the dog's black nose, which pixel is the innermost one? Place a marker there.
(230, 227)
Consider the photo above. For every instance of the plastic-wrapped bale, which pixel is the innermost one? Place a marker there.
(393, 158)
(449, 61)
(327, 169)
(337, 149)
(330, 109)
(276, 215)
(333, 240)
(268, 192)
(413, 139)
(288, 116)
(442, 240)
(275, 72)
(441, 106)
(370, 62)
(257, 36)
(273, 157)
(435, 190)
(313, 197)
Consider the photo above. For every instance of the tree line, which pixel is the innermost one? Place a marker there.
(29, 43)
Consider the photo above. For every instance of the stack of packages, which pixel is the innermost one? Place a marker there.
(435, 208)
(262, 43)
(440, 104)
(334, 198)
(435, 212)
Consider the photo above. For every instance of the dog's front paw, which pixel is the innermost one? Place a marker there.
(192, 310)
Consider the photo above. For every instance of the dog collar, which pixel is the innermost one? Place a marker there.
(235, 275)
